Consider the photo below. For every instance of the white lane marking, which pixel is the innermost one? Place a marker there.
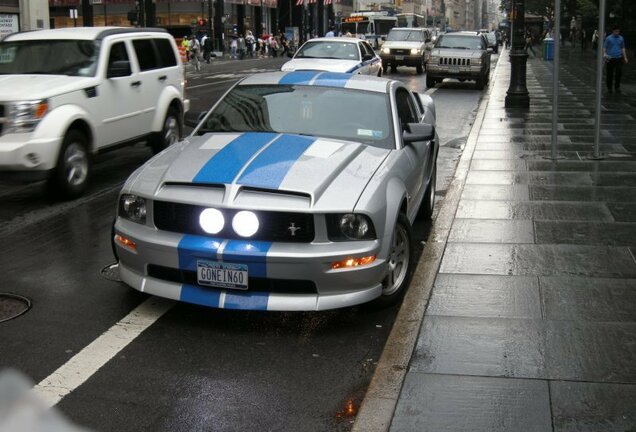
(89, 360)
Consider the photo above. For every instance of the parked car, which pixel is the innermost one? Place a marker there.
(296, 191)
(66, 94)
(460, 55)
(405, 47)
(336, 54)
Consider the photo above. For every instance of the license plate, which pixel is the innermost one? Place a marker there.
(399, 57)
(222, 275)
(454, 70)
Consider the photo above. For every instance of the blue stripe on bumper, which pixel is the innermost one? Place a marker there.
(254, 254)
(246, 300)
(270, 167)
(225, 165)
(200, 295)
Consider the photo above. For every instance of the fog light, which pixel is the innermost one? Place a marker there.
(126, 242)
(353, 262)
(33, 158)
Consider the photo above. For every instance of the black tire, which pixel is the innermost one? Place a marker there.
(393, 68)
(420, 68)
(385, 67)
(380, 72)
(70, 177)
(480, 83)
(430, 82)
(170, 132)
(428, 202)
(401, 263)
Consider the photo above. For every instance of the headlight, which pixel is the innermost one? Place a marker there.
(415, 51)
(475, 62)
(133, 208)
(245, 223)
(24, 116)
(349, 226)
(386, 50)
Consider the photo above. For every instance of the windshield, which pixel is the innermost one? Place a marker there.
(327, 112)
(459, 42)
(354, 28)
(49, 57)
(405, 35)
(329, 50)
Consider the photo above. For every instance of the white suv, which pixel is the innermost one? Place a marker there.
(66, 94)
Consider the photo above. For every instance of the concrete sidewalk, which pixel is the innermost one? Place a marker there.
(530, 274)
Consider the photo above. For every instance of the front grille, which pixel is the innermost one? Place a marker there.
(280, 286)
(400, 51)
(453, 61)
(273, 226)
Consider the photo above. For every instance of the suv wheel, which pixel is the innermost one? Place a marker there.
(385, 67)
(480, 83)
(400, 263)
(420, 67)
(70, 176)
(170, 132)
(430, 82)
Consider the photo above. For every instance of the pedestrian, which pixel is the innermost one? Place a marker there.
(595, 40)
(195, 53)
(206, 42)
(273, 45)
(250, 42)
(615, 55)
(185, 44)
(583, 39)
(240, 45)
(330, 33)
(233, 47)
(529, 44)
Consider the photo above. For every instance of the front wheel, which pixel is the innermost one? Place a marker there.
(430, 82)
(420, 68)
(70, 177)
(170, 132)
(400, 263)
(480, 83)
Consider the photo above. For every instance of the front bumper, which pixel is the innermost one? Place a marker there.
(457, 72)
(302, 264)
(26, 158)
(402, 60)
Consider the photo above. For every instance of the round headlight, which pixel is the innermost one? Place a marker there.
(133, 208)
(211, 221)
(245, 223)
(354, 226)
(415, 51)
(386, 50)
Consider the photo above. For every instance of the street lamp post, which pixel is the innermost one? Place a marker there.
(517, 96)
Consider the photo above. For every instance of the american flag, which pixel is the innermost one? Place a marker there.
(300, 2)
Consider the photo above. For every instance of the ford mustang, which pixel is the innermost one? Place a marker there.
(295, 191)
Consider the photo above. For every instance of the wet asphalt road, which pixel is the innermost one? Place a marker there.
(195, 368)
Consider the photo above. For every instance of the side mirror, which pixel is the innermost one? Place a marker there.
(414, 132)
(366, 57)
(119, 68)
(193, 118)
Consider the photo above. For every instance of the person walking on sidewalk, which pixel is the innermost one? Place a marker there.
(615, 56)
(529, 44)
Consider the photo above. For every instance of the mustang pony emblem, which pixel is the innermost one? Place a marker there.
(293, 228)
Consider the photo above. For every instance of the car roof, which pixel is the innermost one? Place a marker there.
(463, 33)
(409, 29)
(321, 79)
(336, 39)
(81, 33)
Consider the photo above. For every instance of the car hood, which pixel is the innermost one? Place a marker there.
(329, 65)
(402, 44)
(30, 87)
(450, 52)
(261, 171)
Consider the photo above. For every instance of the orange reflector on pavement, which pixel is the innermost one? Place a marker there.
(353, 262)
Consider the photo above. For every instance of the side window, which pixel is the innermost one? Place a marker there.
(145, 52)
(118, 53)
(405, 107)
(166, 53)
(366, 49)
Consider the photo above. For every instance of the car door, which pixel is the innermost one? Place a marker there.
(118, 96)
(152, 78)
(416, 152)
(373, 65)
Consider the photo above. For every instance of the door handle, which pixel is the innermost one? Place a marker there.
(163, 78)
(135, 83)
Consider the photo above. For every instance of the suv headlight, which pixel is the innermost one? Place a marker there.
(349, 226)
(476, 61)
(415, 51)
(133, 208)
(386, 50)
(24, 116)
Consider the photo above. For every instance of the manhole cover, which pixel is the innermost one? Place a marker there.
(12, 306)
(111, 272)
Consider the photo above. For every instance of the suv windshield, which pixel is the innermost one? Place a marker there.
(459, 41)
(329, 50)
(404, 35)
(351, 115)
(49, 57)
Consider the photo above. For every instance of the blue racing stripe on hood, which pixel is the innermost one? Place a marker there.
(246, 300)
(268, 169)
(333, 79)
(225, 165)
(200, 295)
(300, 77)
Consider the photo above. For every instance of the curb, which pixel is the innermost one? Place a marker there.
(378, 407)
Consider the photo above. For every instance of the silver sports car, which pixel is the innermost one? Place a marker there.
(296, 191)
